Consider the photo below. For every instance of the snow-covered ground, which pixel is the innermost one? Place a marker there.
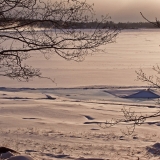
(62, 121)
(133, 49)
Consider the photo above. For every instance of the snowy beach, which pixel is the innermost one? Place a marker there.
(62, 120)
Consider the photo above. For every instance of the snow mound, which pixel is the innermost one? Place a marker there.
(147, 93)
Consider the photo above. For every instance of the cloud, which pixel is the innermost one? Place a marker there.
(131, 11)
(127, 10)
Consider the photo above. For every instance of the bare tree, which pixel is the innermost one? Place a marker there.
(131, 120)
(155, 24)
(152, 80)
(131, 117)
(32, 26)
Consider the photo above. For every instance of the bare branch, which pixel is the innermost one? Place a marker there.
(156, 23)
(131, 120)
(47, 27)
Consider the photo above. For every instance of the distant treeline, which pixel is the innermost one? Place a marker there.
(135, 25)
(76, 25)
(110, 24)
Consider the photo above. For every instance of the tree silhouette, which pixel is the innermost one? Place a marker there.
(34, 26)
(131, 117)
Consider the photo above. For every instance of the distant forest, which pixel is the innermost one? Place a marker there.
(90, 25)
(110, 24)
(77, 25)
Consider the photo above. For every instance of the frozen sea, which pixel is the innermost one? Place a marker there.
(133, 49)
(51, 121)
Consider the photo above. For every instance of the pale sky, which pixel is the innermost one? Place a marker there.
(127, 10)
